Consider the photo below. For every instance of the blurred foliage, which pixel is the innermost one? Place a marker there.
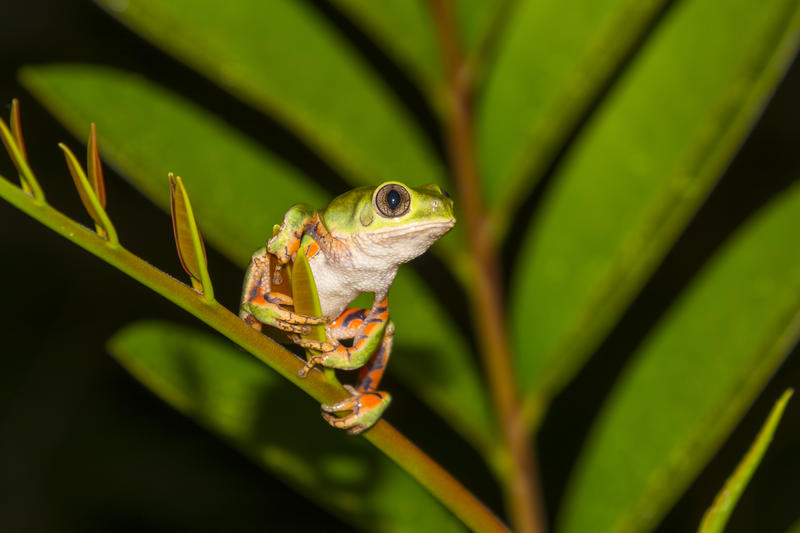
(600, 129)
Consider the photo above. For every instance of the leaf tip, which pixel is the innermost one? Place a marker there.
(188, 240)
(11, 135)
(95, 167)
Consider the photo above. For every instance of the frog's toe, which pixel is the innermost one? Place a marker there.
(365, 409)
(312, 361)
(298, 329)
(312, 344)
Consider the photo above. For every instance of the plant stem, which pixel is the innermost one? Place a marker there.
(522, 488)
(386, 438)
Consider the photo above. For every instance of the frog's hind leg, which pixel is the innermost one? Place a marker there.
(366, 330)
(372, 335)
(367, 404)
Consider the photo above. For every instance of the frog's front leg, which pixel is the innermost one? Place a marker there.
(298, 220)
(372, 335)
(262, 305)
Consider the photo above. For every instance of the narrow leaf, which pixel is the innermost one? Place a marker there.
(692, 379)
(638, 173)
(15, 125)
(27, 180)
(191, 250)
(304, 293)
(95, 167)
(88, 197)
(258, 413)
(240, 191)
(16, 129)
(284, 58)
(720, 511)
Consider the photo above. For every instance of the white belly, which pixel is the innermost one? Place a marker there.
(340, 282)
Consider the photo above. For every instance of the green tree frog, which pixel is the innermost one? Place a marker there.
(353, 246)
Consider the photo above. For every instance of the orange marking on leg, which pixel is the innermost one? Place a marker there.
(371, 326)
(370, 400)
(312, 249)
(259, 300)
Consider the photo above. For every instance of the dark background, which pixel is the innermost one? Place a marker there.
(84, 447)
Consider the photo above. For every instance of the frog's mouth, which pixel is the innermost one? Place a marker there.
(417, 227)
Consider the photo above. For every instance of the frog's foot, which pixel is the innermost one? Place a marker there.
(266, 308)
(365, 407)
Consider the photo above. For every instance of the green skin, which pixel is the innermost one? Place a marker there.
(355, 245)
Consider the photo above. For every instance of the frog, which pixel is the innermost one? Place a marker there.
(355, 245)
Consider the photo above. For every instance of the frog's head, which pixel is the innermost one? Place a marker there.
(391, 222)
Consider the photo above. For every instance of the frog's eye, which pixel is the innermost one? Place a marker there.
(392, 200)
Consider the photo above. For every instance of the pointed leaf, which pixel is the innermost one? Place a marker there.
(27, 180)
(284, 58)
(304, 293)
(95, 167)
(260, 414)
(15, 125)
(637, 175)
(191, 250)
(88, 197)
(692, 379)
(717, 515)
(239, 192)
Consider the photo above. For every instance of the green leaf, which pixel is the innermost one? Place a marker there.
(637, 174)
(262, 415)
(188, 241)
(552, 61)
(284, 58)
(692, 379)
(305, 296)
(795, 528)
(404, 28)
(238, 192)
(717, 515)
(15, 146)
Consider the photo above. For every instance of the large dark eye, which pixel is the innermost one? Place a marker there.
(392, 200)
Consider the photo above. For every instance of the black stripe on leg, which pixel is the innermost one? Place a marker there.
(360, 315)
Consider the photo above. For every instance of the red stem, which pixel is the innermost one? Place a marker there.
(523, 494)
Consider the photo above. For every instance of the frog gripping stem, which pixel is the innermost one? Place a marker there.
(353, 246)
